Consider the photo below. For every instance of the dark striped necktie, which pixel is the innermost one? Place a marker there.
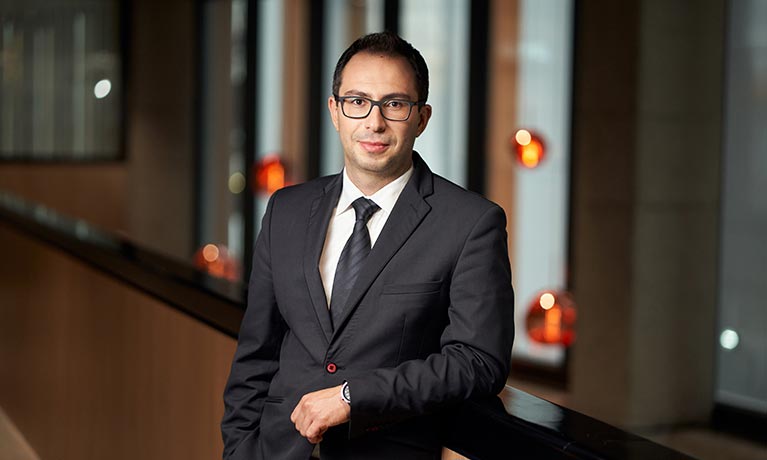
(352, 257)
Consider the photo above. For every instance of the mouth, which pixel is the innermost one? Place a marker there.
(374, 146)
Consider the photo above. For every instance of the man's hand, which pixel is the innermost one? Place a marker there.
(319, 410)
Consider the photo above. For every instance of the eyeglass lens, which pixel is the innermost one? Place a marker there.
(392, 109)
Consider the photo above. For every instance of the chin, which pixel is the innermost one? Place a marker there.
(374, 160)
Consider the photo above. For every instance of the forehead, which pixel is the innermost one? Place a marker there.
(378, 75)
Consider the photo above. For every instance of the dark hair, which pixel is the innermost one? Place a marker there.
(391, 45)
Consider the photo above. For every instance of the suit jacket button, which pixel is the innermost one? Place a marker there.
(331, 368)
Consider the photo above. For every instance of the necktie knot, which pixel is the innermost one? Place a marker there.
(364, 208)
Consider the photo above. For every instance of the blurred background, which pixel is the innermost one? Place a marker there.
(627, 142)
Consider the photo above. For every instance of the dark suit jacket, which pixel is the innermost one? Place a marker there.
(428, 323)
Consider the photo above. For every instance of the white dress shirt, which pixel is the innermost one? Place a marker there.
(342, 222)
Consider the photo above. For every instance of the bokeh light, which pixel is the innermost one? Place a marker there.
(102, 88)
(528, 148)
(237, 182)
(729, 339)
(551, 318)
(270, 174)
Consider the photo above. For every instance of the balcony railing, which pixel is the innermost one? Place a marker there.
(516, 424)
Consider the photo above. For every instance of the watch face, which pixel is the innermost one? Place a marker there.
(347, 393)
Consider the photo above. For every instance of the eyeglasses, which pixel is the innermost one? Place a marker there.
(391, 109)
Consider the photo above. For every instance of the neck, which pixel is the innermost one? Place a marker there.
(368, 184)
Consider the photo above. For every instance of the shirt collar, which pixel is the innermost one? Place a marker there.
(385, 198)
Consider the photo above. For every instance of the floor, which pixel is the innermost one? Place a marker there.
(706, 444)
(13, 446)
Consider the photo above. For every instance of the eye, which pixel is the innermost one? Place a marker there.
(395, 104)
(358, 101)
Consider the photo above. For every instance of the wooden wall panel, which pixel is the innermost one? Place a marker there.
(92, 369)
(295, 90)
(502, 116)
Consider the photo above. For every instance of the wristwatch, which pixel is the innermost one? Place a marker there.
(346, 395)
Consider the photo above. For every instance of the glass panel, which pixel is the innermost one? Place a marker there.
(440, 30)
(269, 95)
(222, 156)
(742, 329)
(270, 91)
(541, 197)
(60, 80)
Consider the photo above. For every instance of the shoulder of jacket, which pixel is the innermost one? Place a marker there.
(304, 189)
(446, 190)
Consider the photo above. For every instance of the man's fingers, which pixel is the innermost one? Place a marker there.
(314, 433)
(311, 430)
(297, 411)
(304, 420)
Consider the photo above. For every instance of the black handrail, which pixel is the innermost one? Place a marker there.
(214, 301)
(514, 425)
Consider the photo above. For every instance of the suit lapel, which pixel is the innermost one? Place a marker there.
(317, 228)
(407, 214)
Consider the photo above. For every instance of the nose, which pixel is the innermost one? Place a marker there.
(375, 120)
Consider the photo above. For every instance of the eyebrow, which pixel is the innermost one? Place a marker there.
(353, 92)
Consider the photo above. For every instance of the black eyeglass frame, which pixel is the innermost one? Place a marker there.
(380, 105)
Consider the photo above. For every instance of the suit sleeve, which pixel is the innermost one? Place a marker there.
(475, 346)
(256, 359)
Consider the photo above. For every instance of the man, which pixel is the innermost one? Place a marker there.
(379, 296)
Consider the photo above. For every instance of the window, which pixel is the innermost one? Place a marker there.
(60, 80)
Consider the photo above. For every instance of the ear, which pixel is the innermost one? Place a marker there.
(423, 119)
(333, 109)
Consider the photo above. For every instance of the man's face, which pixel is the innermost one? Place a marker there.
(377, 150)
